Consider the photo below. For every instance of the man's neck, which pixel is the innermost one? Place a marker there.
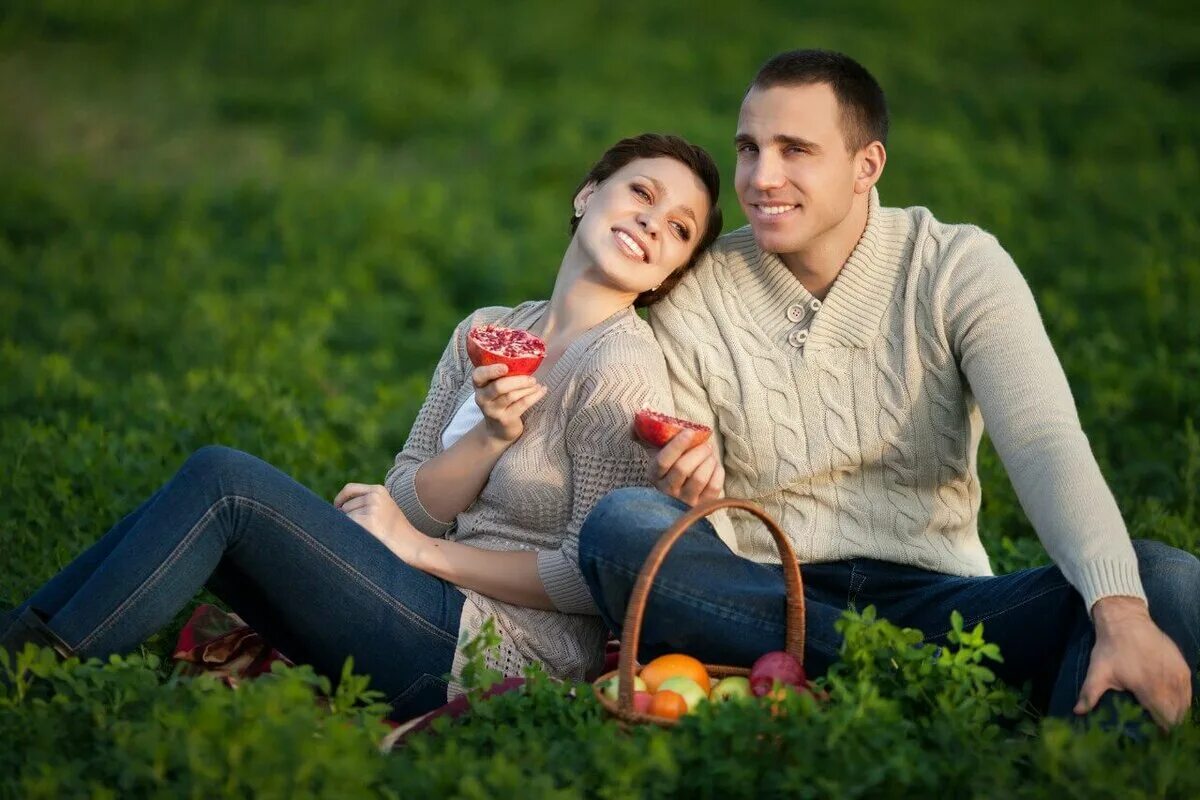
(819, 264)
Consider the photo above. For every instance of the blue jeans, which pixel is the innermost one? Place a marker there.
(312, 581)
(725, 609)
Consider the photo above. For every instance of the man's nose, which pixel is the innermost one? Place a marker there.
(767, 174)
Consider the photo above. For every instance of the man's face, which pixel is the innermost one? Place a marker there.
(794, 178)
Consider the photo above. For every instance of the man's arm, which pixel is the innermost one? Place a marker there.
(1001, 346)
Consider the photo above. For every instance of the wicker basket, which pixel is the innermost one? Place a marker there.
(632, 630)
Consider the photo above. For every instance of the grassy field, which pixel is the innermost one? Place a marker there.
(255, 224)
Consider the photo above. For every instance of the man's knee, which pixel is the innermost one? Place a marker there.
(1171, 578)
(625, 524)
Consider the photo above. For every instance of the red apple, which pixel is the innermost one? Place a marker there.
(777, 668)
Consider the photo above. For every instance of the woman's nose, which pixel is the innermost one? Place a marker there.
(649, 222)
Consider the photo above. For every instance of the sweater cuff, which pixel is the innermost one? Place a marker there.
(404, 492)
(564, 584)
(1109, 578)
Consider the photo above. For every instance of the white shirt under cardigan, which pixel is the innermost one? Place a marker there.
(469, 415)
(856, 421)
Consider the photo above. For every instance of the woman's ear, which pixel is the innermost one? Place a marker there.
(581, 199)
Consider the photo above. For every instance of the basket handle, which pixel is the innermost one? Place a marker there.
(632, 631)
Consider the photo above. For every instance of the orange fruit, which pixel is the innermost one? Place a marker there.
(668, 704)
(673, 665)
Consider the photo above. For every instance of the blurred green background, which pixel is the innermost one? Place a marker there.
(257, 223)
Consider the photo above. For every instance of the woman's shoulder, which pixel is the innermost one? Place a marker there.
(627, 341)
(518, 316)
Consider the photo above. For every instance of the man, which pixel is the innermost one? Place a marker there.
(846, 356)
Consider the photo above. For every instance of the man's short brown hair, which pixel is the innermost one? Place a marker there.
(859, 95)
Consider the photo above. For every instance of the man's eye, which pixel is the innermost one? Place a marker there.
(642, 193)
(746, 148)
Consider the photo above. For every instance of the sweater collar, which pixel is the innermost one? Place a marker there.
(852, 311)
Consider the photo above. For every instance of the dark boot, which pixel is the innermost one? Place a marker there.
(30, 626)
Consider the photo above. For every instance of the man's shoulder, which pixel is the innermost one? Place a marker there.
(702, 285)
(732, 251)
(944, 245)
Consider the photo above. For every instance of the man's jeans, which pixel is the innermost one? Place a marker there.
(313, 582)
(724, 609)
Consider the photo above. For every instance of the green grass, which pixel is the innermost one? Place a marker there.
(256, 223)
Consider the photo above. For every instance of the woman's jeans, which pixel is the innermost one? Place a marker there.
(724, 609)
(316, 584)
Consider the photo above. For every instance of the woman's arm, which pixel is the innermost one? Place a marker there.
(510, 576)
(449, 483)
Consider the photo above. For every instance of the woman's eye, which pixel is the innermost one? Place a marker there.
(681, 230)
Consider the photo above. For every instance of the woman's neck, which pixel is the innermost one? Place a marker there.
(577, 303)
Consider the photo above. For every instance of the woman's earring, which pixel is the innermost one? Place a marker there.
(655, 289)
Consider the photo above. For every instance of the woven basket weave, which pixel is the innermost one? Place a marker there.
(632, 630)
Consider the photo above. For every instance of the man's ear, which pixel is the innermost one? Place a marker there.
(581, 199)
(869, 163)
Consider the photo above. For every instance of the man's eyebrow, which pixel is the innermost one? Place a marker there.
(662, 189)
(781, 139)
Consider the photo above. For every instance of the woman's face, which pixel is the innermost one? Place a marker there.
(642, 223)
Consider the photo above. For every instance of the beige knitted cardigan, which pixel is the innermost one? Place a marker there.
(856, 421)
(576, 447)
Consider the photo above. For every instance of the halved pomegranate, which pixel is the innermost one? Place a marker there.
(655, 428)
(493, 344)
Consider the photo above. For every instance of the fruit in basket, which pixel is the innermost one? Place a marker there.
(611, 688)
(642, 701)
(668, 704)
(686, 688)
(774, 669)
(520, 350)
(655, 428)
(670, 666)
(735, 687)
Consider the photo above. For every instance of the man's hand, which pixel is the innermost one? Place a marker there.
(374, 509)
(691, 474)
(1132, 654)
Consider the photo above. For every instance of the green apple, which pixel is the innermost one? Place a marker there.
(735, 687)
(611, 688)
(686, 688)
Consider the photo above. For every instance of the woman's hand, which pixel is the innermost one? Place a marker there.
(374, 509)
(504, 399)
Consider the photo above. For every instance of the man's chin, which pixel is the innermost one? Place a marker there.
(774, 241)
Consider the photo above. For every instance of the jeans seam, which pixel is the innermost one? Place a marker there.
(300, 534)
(998, 612)
(719, 611)
(349, 569)
(152, 580)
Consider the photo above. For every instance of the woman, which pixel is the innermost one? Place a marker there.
(481, 511)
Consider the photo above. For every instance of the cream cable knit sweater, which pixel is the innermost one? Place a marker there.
(856, 421)
(576, 448)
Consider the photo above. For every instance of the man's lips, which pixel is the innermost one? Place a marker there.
(772, 211)
(631, 244)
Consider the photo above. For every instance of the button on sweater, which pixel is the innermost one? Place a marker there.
(856, 420)
(577, 447)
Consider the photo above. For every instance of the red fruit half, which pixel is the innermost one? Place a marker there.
(658, 429)
(493, 344)
(778, 668)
